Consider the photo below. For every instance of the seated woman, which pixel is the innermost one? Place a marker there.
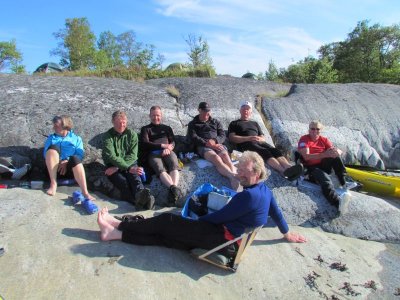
(63, 152)
(248, 208)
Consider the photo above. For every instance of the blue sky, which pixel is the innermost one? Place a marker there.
(242, 35)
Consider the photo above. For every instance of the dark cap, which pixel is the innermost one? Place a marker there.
(204, 106)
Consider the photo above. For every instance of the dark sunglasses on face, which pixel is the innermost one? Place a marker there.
(317, 129)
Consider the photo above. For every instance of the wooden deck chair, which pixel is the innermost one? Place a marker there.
(219, 260)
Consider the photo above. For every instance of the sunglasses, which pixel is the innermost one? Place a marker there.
(317, 129)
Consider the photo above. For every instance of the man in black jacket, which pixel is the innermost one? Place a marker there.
(207, 135)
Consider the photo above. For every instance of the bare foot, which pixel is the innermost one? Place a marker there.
(107, 232)
(108, 218)
(90, 197)
(52, 189)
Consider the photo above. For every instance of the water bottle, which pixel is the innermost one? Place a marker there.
(143, 176)
(66, 181)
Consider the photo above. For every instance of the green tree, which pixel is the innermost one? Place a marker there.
(10, 57)
(325, 72)
(108, 44)
(366, 54)
(198, 51)
(129, 47)
(77, 44)
(272, 74)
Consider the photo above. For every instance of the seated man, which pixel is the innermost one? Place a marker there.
(207, 135)
(63, 153)
(248, 135)
(320, 157)
(249, 208)
(158, 142)
(120, 157)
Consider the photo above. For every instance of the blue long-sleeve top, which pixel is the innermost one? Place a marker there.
(249, 208)
(69, 145)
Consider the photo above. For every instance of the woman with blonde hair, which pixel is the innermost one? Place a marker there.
(63, 152)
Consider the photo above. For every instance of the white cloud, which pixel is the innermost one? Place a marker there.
(225, 13)
(233, 54)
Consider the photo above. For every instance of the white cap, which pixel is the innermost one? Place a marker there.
(248, 103)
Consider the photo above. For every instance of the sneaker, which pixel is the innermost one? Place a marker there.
(144, 199)
(349, 185)
(344, 202)
(20, 172)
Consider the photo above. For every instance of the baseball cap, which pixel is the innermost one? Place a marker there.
(248, 103)
(204, 106)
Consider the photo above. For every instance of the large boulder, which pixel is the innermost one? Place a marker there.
(29, 102)
(361, 119)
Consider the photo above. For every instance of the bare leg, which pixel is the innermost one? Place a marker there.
(227, 161)
(166, 179)
(107, 232)
(274, 163)
(175, 177)
(222, 168)
(284, 162)
(80, 177)
(52, 161)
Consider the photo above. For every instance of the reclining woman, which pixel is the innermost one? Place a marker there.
(63, 152)
(248, 208)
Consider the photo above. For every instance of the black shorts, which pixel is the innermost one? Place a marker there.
(265, 150)
(73, 161)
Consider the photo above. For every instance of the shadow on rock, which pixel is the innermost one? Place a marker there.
(145, 258)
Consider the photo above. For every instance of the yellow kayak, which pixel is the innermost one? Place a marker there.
(376, 182)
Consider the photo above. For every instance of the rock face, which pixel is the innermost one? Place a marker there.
(362, 119)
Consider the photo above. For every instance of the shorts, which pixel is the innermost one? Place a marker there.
(165, 163)
(201, 150)
(73, 161)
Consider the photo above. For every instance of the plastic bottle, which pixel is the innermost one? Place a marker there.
(143, 176)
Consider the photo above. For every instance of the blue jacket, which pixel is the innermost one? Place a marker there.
(69, 145)
(249, 208)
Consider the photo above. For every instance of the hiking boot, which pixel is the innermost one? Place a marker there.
(174, 194)
(144, 199)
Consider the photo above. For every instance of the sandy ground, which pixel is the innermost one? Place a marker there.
(53, 251)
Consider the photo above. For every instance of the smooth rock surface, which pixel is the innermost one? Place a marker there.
(53, 251)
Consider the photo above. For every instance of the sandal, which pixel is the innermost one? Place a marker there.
(129, 218)
(89, 206)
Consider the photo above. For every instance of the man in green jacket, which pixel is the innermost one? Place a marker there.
(120, 154)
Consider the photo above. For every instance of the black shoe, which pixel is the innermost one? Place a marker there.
(144, 199)
(174, 194)
(293, 172)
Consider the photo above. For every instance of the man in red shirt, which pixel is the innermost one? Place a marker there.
(320, 157)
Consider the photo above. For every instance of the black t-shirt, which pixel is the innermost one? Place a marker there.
(245, 128)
